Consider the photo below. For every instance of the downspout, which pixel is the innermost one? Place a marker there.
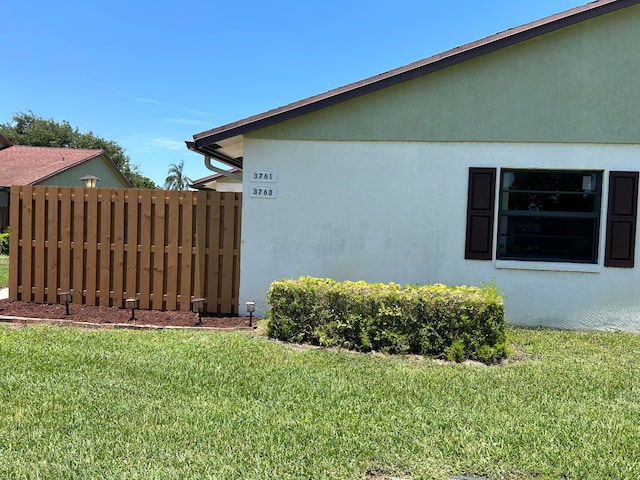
(226, 173)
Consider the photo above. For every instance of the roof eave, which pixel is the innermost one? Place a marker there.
(204, 142)
(211, 149)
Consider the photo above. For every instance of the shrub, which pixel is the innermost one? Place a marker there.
(437, 320)
(4, 242)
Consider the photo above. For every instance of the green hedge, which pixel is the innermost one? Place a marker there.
(4, 242)
(456, 323)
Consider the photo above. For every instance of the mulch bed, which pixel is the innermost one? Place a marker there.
(28, 312)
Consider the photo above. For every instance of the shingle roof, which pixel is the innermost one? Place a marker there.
(201, 182)
(24, 165)
(214, 142)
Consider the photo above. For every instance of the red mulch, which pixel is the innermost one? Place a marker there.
(109, 316)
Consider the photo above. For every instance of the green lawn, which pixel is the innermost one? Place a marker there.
(80, 403)
(4, 271)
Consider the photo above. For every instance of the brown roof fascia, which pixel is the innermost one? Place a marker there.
(200, 182)
(211, 149)
(5, 142)
(417, 69)
(115, 167)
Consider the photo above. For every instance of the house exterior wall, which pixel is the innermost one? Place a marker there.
(578, 84)
(98, 166)
(226, 184)
(334, 217)
(375, 188)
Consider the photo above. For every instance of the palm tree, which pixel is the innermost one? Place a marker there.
(176, 179)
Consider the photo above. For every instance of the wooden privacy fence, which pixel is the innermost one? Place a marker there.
(106, 245)
(4, 218)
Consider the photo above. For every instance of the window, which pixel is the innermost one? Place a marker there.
(549, 215)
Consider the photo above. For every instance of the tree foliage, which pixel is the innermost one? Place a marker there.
(176, 179)
(27, 128)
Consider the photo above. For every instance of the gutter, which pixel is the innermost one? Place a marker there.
(222, 158)
(226, 173)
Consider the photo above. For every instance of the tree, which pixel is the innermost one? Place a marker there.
(27, 128)
(176, 179)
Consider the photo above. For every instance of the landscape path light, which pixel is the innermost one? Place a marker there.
(65, 297)
(198, 304)
(251, 307)
(132, 303)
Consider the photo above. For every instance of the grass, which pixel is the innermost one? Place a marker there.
(169, 404)
(4, 271)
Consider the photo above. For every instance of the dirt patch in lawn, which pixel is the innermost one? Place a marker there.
(110, 316)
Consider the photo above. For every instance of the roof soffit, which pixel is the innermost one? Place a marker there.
(220, 139)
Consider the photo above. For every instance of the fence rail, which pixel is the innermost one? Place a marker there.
(106, 245)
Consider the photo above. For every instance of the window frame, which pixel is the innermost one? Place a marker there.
(504, 215)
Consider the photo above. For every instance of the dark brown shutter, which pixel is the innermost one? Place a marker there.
(621, 219)
(480, 208)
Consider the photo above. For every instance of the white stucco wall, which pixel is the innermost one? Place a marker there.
(222, 186)
(225, 185)
(396, 211)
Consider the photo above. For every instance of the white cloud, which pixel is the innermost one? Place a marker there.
(154, 145)
(168, 143)
(138, 99)
(199, 113)
(183, 121)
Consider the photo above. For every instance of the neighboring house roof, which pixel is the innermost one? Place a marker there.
(202, 183)
(225, 143)
(26, 165)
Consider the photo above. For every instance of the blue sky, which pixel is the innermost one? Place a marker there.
(149, 75)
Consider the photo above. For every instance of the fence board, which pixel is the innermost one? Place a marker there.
(91, 246)
(213, 253)
(27, 247)
(172, 251)
(131, 244)
(146, 232)
(200, 240)
(65, 239)
(15, 248)
(237, 241)
(159, 240)
(104, 282)
(186, 253)
(228, 233)
(117, 235)
(109, 244)
(39, 270)
(53, 251)
(77, 246)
